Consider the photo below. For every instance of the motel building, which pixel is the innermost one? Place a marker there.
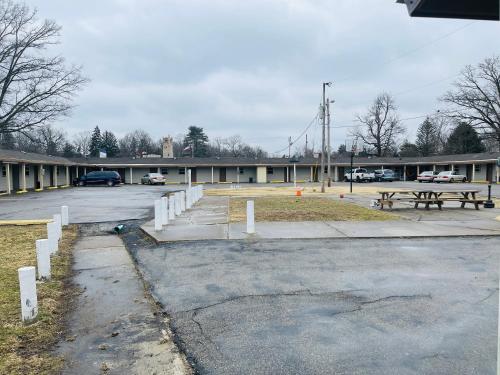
(21, 172)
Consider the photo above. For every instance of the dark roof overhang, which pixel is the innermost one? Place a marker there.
(465, 9)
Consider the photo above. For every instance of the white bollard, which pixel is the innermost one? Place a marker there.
(201, 191)
(58, 221)
(27, 287)
(164, 211)
(188, 199)
(183, 201)
(52, 237)
(171, 207)
(177, 197)
(43, 259)
(250, 217)
(158, 215)
(65, 215)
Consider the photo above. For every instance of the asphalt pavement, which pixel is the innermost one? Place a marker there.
(398, 306)
(90, 204)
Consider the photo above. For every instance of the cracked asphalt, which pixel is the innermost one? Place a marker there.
(400, 306)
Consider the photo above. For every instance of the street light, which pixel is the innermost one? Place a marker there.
(323, 115)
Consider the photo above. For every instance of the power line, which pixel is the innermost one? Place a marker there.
(300, 136)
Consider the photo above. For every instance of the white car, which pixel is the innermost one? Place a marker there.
(359, 175)
(153, 179)
(450, 176)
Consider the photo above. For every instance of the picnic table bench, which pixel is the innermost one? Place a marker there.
(429, 197)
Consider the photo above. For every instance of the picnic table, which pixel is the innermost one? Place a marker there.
(430, 197)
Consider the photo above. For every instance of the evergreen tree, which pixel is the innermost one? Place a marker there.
(197, 140)
(110, 144)
(408, 149)
(427, 142)
(464, 140)
(69, 150)
(95, 142)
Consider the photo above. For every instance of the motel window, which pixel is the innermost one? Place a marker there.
(242, 171)
(164, 171)
(153, 170)
(326, 170)
(182, 171)
(27, 171)
(4, 171)
(477, 168)
(57, 170)
(270, 170)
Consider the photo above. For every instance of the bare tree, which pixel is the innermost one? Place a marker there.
(34, 89)
(81, 141)
(234, 145)
(45, 139)
(380, 127)
(138, 143)
(476, 98)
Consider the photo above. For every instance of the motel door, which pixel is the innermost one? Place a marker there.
(193, 174)
(222, 174)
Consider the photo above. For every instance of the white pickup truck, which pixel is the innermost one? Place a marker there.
(359, 175)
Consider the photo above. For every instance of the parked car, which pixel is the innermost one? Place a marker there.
(153, 179)
(450, 176)
(359, 175)
(109, 178)
(382, 175)
(428, 176)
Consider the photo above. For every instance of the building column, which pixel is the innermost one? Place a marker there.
(7, 169)
(158, 170)
(186, 175)
(67, 175)
(131, 176)
(212, 175)
(23, 172)
(77, 168)
(404, 173)
(102, 169)
(452, 167)
(434, 167)
(336, 173)
(41, 176)
(312, 175)
(237, 175)
(473, 172)
(498, 174)
(418, 170)
(85, 170)
(55, 169)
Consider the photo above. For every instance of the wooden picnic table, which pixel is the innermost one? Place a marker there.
(430, 197)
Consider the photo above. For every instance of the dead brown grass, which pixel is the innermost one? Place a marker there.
(304, 209)
(25, 349)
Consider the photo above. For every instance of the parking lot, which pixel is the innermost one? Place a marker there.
(87, 204)
(330, 306)
(357, 306)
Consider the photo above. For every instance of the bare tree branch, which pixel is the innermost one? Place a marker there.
(34, 89)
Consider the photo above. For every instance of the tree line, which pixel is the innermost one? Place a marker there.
(138, 143)
(470, 124)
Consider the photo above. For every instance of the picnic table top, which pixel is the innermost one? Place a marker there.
(408, 191)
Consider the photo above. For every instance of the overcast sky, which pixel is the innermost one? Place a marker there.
(255, 67)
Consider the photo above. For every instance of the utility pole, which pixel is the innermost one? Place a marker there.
(305, 152)
(323, 148)
(289, 146)
(329, 146)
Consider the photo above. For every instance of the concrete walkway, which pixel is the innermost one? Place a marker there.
(113, 329)
(208, 220)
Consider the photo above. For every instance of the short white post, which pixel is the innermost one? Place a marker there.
(177, 199)
(58, 221)
(164, 210)
(188, 199)
(65, 215)
(201, 191)
(189, 178)
(171, 207)
(158, 215)
(52, 237)
(294, 175)
(27, 287)
(183, 201)
(250, 217)
(43, 259)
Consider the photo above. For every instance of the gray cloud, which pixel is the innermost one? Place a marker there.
(255, 67)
